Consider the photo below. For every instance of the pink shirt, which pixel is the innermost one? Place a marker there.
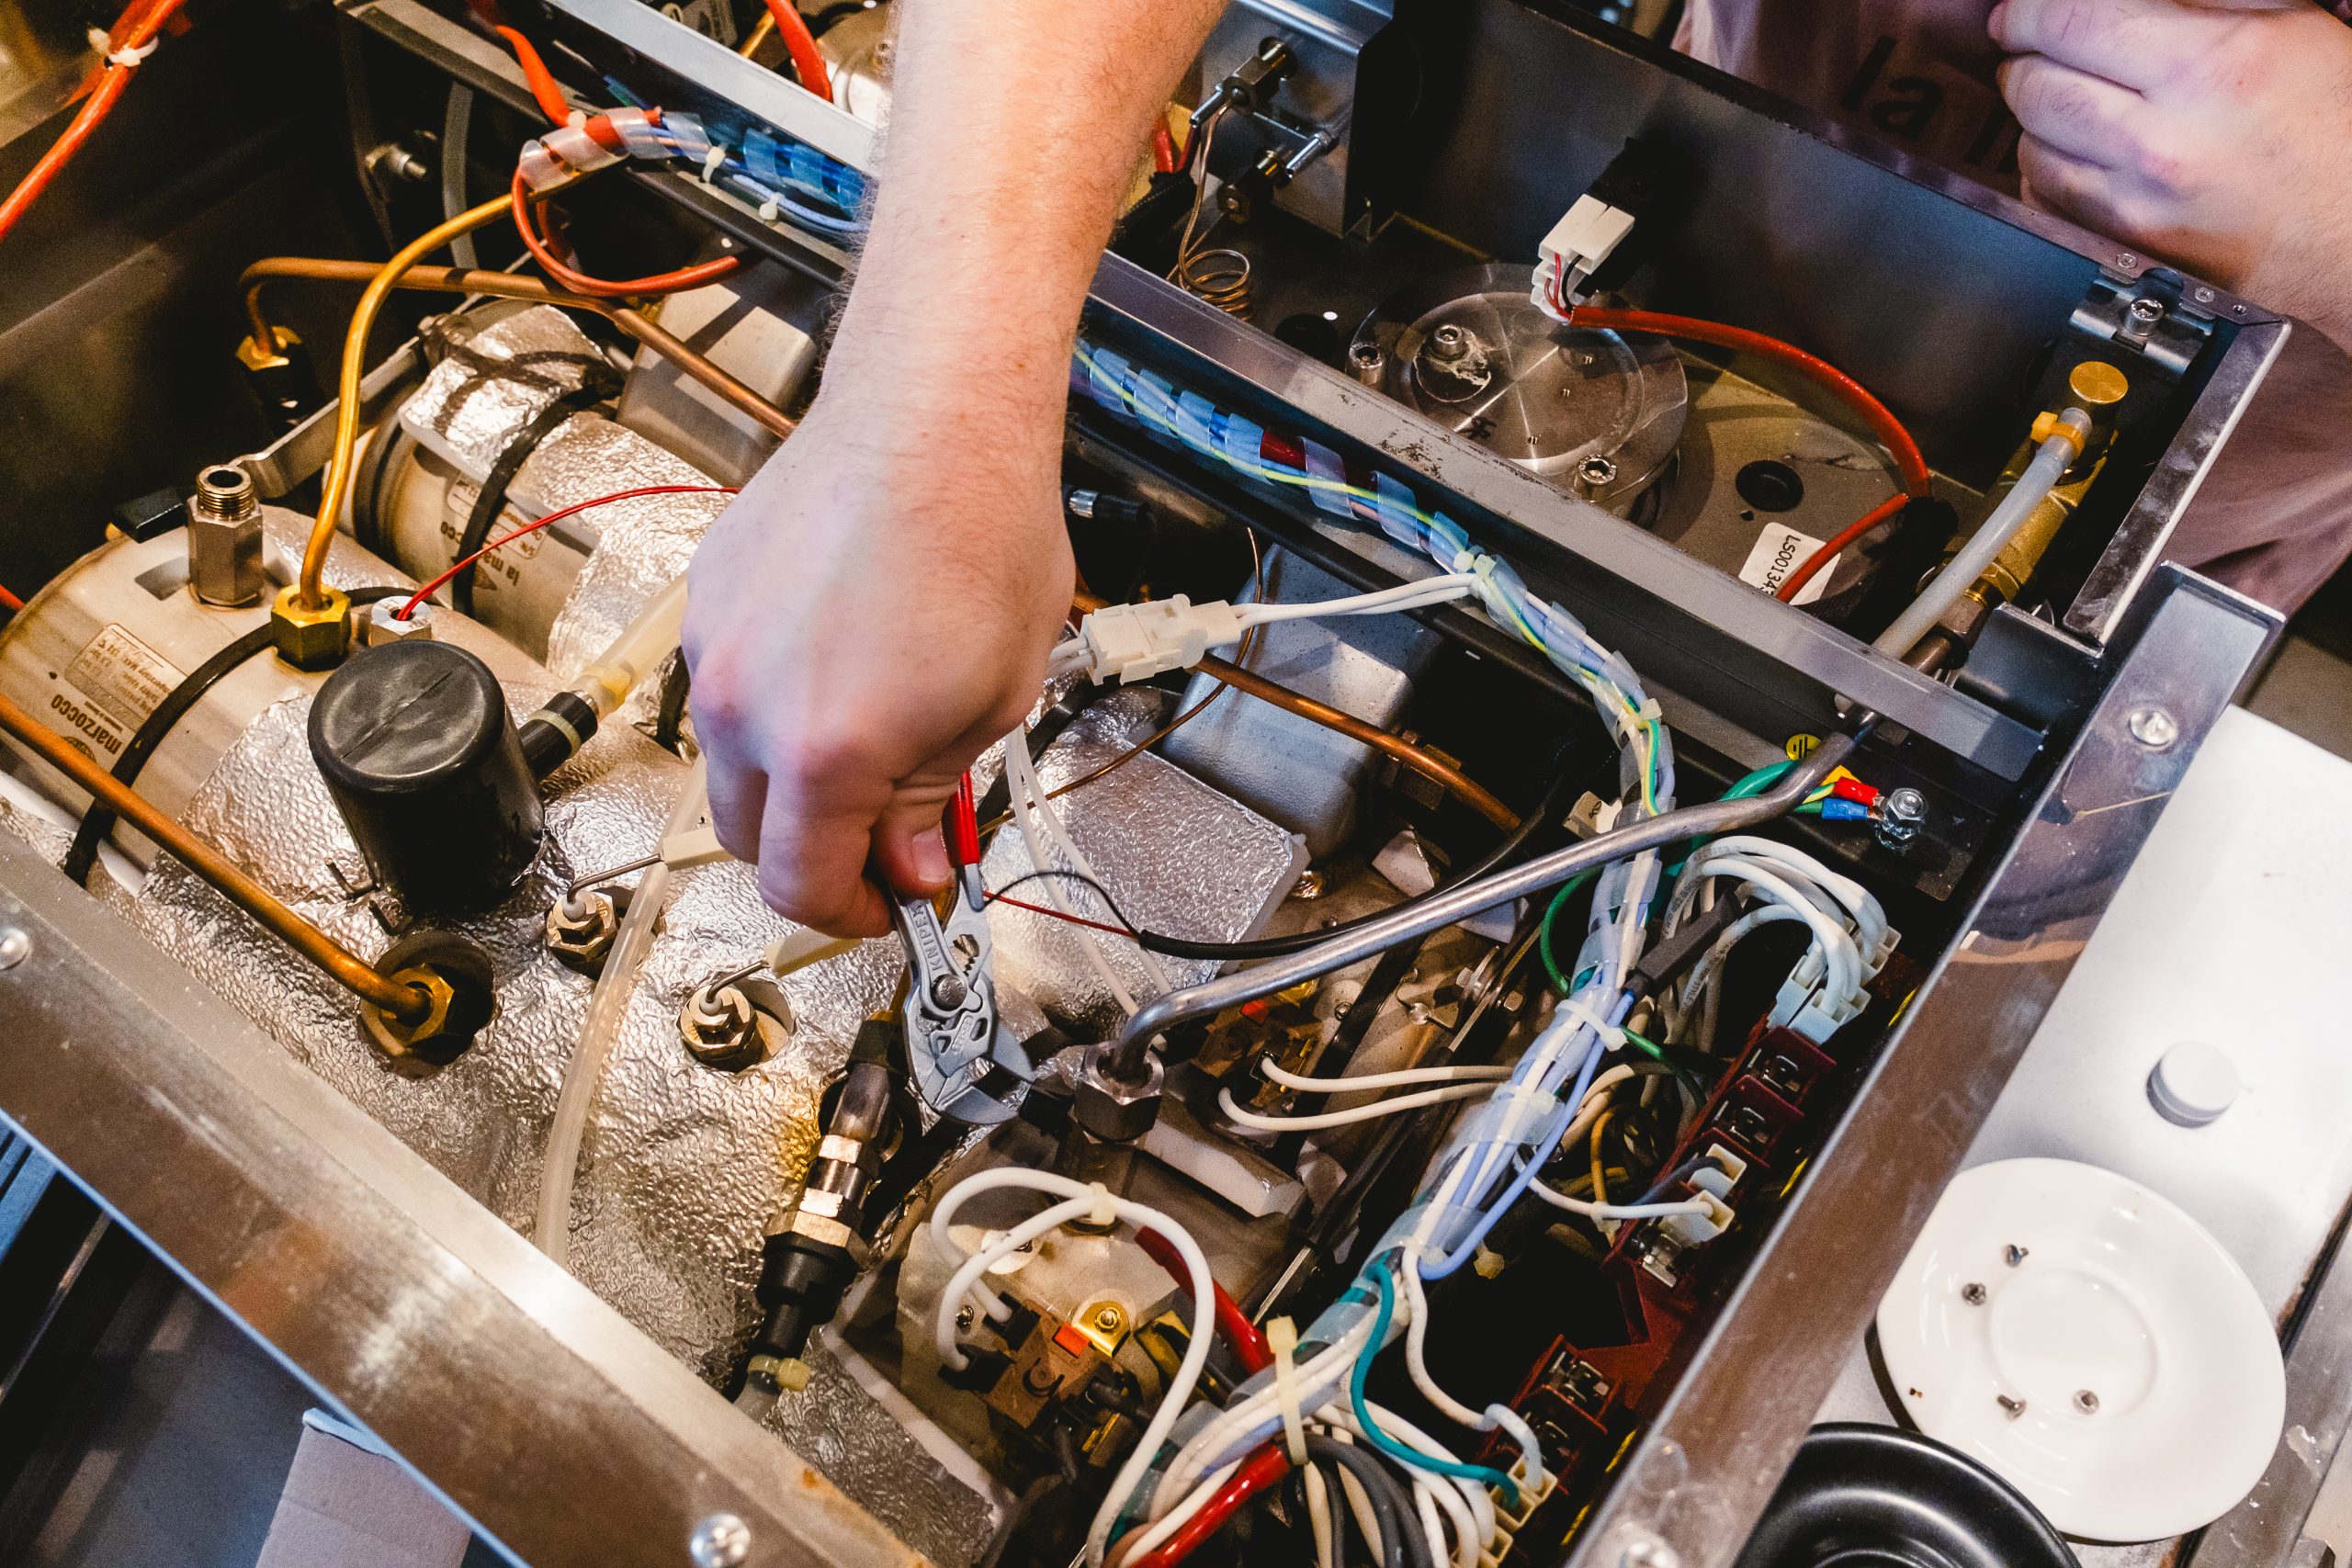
(2273, 518)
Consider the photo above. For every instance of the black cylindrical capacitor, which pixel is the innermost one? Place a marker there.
(414, 743)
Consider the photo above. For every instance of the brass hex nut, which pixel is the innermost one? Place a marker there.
(308, 637)
(416, 1050)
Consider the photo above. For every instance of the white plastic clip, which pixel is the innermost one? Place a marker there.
(127, 58)
(1281, 1338)
(1105, 1212)
(1611, 1037)
(713, 161)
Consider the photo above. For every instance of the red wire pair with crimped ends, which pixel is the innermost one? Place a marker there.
(1909, 462)
(408, 606)
(132, 34)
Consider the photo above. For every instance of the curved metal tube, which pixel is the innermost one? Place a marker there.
(1128, 1056)
(355, 973)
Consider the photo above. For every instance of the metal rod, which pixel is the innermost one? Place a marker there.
(404, 1001)
(581, 884)
(1129, 1058)
(512, 286)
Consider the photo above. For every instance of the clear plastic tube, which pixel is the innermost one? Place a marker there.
(551, 1231)
(640, 647)
(2033, 487)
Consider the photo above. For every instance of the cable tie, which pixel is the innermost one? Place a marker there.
(1609, 1035)
(1281, 1338)
(127, 58)
(713, 161)
(1105, 1212)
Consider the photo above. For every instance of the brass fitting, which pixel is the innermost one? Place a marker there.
(416, 1050)
(277, 356)
(311, 637)
(224, 538)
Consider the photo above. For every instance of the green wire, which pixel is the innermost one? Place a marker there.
(1544, 933)
(1382, 1440)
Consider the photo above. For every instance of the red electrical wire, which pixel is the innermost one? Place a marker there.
(676, 282)
(1265, 1465)
(413, 600)
(807, 60)
(551, 101)
(135, 29)
(1811, 567)
(1163, 149)
(1057, 915)
(1917, 483)
(1233, 1325)
(9, 600)
(1908, 460)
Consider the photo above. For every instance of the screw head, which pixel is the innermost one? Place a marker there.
(2087, 1402)
(2014, 1255)
(2204, 297)
(16, 946)
(1364, 351)
(1449, 342)
(1900, 815)
(1109, 1319)
(1309, 886)
(2127, 259)
(1597, 471)
(1973, 1294)
(2147, 310)
(2012, 1408)
(1648, 1551)
(965, 1318)
(2154, 727)
(720, 1541)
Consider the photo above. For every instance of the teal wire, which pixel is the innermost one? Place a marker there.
(1382, 1440)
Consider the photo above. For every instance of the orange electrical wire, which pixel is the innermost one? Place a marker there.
(10, 601)
(1813, 564)
(567, 276)
(134, 29)
(544, 88)
(807, 60)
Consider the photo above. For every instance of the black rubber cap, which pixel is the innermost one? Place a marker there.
(1862, 1496)
(415, 746)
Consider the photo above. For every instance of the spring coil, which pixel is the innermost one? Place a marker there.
(1221, 277)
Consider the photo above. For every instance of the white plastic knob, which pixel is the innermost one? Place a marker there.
(2194, 1083)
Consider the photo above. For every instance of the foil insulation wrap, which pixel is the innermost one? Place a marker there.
(1174, 855)
(474, 403)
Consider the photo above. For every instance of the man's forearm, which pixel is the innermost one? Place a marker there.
(1015, 128)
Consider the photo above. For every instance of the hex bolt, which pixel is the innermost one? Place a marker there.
(2014, 1255)
(384, 623)
(1309, 886)
(719, 1027)
(720, 1541)
(1449, 342)
(2154, 727)
(16, 946)
(1901, 814)
(2087, 1402)
(1973, 1294)
(2012, 1408)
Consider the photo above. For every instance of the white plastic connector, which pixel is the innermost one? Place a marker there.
(1530, 1497)
(1720, 1174)
(1692, 1229)
(1587, 235)
(1134, 642)
(695, 846)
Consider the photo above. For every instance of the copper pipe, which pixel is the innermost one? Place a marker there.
(403, 1003)
(512, 286)
(1445, 773)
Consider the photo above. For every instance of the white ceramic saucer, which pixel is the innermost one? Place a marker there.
(2090, 1343)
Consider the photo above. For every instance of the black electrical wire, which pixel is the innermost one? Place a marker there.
(491, 499)
(1402, 1544)
(98, 822)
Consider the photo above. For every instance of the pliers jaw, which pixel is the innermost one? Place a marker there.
(964, 1064)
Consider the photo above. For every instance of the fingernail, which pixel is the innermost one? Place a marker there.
(931, 857)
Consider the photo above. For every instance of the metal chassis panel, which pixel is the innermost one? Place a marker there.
(532, 1407)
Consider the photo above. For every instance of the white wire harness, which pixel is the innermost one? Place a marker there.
(1127, 643)
(1095, 1204)
(1852, 940)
